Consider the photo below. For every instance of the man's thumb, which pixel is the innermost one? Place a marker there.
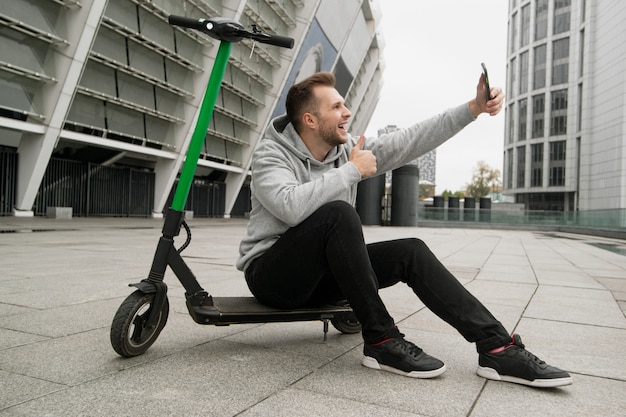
(360, 142)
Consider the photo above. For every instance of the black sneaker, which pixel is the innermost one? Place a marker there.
(402, 357)
(516, 364)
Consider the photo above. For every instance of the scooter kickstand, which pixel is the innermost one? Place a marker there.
(325, 329)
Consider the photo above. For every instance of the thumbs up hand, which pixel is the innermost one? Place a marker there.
(364, 160)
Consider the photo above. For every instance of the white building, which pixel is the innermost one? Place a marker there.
(98, 99)
(565, 139)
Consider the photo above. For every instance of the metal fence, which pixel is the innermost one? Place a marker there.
(205, 198)
(95, 190)
(609, 219)
(8, 180)
(64, 185)
(114, 191)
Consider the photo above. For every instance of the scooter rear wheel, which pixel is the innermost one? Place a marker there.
(130, 335)
(347, 324)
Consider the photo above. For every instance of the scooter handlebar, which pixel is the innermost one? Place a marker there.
(230, 30)
(186, 22)
(276, 40)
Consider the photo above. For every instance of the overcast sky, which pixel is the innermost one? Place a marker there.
(433, 51)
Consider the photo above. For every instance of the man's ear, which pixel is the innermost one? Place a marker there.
(309, 120)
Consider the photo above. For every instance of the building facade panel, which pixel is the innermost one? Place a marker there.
(565, 70)
(113, 83)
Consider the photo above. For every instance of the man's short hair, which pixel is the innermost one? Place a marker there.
(301, 99)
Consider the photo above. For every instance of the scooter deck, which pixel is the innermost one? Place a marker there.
(224, 311)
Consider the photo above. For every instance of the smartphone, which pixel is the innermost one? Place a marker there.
(486, 81)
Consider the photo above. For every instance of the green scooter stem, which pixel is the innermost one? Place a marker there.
(199, 133)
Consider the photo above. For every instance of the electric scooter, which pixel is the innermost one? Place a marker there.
(143, 314)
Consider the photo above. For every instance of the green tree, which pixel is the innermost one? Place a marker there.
(426, 190)
(484, 180)
(446, 193)
(449, 193)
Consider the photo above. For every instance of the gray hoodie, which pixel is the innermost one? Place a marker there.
(288, 184)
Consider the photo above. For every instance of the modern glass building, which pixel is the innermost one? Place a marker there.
(98, 99)
(565, 138)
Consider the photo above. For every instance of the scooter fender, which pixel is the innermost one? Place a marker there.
(159, 289)
(145, 286)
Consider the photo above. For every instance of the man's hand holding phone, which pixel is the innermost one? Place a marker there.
(486, 81)
(487, 100)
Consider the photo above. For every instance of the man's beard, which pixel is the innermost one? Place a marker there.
(330, 136)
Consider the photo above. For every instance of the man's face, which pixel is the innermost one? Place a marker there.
(332, 116)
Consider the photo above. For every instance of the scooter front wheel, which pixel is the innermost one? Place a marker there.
(130, 334)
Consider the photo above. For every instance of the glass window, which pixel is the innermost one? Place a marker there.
(168, 103)
(541, 19)
(215, 147)
(537, 153)
(560, 61)
(557, 164)
(539, 76)
(223, 124)
(557, 151)
(580, 107)
(523, 71)
(125, 121)
(23, 51)
(145, 60)
(559, 100)
(45, 16)
(111, 45)
(178, 76)
(581, 55)
(513, 33)
(123, 12)
(525, 26)
(509, 169)
(156, 29)
(536, 168)
(18, 93)
(189, 49)
(557, 176)
(562, 12)
(87, 111)
(523, 110)
(521, 166)
(135, 91)
(100, 78)
(159, 130)
(233, 153)
(511, 114)
(538, 115)
(558, 113)
(513, 76)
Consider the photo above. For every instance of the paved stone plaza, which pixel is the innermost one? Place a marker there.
(62, 281)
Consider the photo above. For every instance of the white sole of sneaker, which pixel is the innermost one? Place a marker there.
(372, 363)
(490, 373)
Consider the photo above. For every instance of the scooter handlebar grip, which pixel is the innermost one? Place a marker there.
(277, 40)
(186, 22)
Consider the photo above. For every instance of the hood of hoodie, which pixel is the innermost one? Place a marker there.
(283, 132)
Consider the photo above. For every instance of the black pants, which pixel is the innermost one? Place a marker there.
(325, 259)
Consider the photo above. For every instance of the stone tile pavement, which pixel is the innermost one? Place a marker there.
(61, 282)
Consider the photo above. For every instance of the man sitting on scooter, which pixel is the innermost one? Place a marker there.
(305, 245)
